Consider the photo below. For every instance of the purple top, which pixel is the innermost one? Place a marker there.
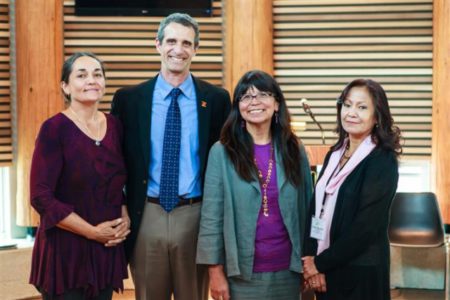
(272, 244)
(69, 173)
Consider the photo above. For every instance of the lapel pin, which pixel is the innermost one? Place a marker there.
(204, 103)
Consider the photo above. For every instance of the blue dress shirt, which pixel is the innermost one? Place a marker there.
(189, 174)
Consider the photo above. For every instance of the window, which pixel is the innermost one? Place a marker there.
(415, 176)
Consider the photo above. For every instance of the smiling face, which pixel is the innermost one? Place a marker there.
(86, 82)
(176, 49)
(358, 113)
(258, 109)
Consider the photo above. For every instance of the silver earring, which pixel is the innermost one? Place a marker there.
(276, 117)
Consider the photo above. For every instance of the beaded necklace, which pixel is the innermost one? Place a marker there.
(265, 182)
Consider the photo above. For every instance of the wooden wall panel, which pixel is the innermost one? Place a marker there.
(249, 38)
(6, 149)
(441, 105)
(39, 53)
(321, 45)
(127, 46)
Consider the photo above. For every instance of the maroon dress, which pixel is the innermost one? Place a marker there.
(70, 173)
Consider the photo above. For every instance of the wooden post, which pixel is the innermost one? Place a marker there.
(441, 105)
(40, 52)
(248, 38)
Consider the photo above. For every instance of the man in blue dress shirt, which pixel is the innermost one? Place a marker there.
(170, 122)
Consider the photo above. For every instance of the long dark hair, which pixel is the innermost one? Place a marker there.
(238, 142)
(384, 134)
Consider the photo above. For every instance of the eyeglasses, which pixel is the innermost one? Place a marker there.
(260, 96)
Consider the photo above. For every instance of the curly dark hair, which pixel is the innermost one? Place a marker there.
(385, 134)
(239, 143)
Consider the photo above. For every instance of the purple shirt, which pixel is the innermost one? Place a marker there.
(69, 173)
(272, 244)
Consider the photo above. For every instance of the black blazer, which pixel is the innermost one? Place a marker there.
(356, 265)
(133, 106)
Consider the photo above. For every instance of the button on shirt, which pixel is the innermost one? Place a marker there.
(189, 175)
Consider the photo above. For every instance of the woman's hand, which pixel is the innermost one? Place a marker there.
(318, 283)
(315, 280)
(123, 229)
(106, 232)
(109, 233)
(309, 267)
(218, 283)
(304, 284)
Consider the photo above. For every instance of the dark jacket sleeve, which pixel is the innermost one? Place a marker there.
(116, 104)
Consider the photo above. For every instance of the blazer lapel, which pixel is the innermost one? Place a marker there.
(144, 108)
(204, 115)
(256, 185)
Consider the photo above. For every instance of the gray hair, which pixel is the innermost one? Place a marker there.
(183, 19)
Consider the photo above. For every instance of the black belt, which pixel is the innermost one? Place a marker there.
(181, 202)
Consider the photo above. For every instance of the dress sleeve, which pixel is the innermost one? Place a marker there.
(210, 247)
(46, 167)
(378, 189)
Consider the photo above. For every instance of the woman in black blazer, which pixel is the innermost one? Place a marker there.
(347, 247)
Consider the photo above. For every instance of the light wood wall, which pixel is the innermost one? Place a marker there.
(441, 105)
(39, 28)
(248, 39)
(39, 53)
(127, 46)
(320, 46)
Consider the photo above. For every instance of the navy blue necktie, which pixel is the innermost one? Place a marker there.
(168, 187)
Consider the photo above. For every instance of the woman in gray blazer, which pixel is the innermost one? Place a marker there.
(257, 188)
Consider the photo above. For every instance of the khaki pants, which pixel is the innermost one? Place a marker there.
(163, 261)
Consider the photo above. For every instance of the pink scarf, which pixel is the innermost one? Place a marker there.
(330, 190)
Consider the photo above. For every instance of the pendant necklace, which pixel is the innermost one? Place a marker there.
(347, 150)
(344, 158)
(265, 182)
(96, 137)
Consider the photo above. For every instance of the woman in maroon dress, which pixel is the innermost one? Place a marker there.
(77, 179)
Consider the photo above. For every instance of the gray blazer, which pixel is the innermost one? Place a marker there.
(230, 212)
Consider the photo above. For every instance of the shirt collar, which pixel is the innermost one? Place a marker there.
(187, 87)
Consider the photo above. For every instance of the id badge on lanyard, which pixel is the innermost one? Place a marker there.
(317, 223)
(317, 228)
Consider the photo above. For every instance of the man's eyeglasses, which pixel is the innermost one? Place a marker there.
(260, 96)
